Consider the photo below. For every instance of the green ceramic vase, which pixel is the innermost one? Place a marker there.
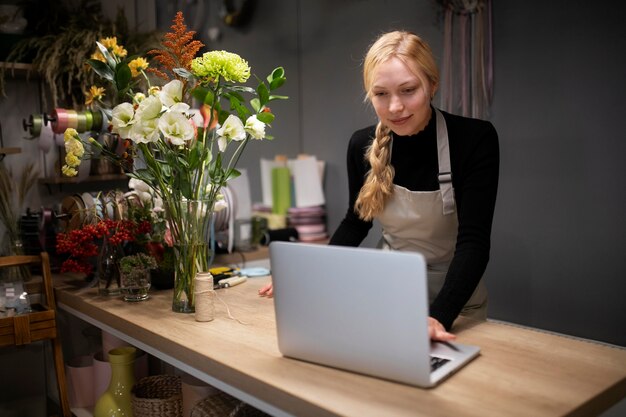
(116, 400)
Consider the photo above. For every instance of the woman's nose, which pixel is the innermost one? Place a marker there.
(395, 104)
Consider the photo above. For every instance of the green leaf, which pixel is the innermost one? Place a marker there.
(263, 92)
(102, 69)
(194, 157)
(233, 174)
(183, 73)
(123, 76)
(240, 89)
(268, 137)
(107, 55)
(256, 105)
(265, 117)
(277, 82)
(272, 98)
(277, 73)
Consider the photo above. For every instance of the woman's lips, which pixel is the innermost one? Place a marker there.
(400, 120)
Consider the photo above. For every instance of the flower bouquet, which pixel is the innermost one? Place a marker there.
(186, 156)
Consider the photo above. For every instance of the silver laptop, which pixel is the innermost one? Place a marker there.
(362, 310)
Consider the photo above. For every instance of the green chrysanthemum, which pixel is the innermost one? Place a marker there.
(212, 65)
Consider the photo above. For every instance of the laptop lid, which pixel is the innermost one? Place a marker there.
(363, 310)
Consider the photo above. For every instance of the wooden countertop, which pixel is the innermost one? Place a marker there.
(520, 372)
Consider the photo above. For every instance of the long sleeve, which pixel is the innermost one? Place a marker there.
(475, 193)
(352, 230)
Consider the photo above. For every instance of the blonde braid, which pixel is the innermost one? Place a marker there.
(378, 185)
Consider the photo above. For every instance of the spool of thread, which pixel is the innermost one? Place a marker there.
(204, 296)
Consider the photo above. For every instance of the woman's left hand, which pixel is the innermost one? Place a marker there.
(437, 332)
(267, 291)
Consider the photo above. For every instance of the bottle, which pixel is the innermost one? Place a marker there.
(116, 400)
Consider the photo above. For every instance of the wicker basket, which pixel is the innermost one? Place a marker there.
(221, 405)
(157, 396)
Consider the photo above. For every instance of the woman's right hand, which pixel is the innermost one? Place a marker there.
(267, 291)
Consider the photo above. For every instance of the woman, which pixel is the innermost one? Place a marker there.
(430, 178)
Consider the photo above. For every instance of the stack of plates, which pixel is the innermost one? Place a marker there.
(310, 222)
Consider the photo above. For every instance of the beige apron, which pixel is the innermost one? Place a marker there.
(426, 222)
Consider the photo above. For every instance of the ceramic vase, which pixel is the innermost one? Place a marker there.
(116, 400)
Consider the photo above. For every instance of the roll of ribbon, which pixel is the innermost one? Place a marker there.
(33, 125)
(81, 122)
(88, 119)
(58, 118)
(96, 125)
(72, 119)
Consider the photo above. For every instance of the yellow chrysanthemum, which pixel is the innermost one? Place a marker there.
(98, 56)
(109, 43)
(137, 65)
(227, 65)
(119, 51)
(69, 171)
(94, 94)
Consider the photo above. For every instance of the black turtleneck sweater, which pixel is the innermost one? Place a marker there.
(474, 157)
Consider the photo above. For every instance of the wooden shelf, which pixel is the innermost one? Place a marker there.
(76, 180)
(10, 151)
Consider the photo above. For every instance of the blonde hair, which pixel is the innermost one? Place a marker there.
(418, 57)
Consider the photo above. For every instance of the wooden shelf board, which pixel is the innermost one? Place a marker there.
(10, 151)
(76, 180)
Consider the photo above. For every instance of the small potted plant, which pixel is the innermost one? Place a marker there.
(135, 276)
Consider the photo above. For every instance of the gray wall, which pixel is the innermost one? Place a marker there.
(559, 229)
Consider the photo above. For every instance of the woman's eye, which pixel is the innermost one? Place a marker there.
(379, 93)
(409, 90)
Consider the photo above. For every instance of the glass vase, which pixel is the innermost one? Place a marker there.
(135, 284)
(116, 400)
(109, 268)
(189, 226)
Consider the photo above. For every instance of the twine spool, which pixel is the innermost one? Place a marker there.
(72, 119)
(205, 296)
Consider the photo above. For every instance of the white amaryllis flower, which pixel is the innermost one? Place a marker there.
(149, 108)
(171, 93)
(232, 129)
(176, 127)
(122, 119)
(255, 127)
(145, 131)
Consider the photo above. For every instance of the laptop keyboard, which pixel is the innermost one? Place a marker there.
(436, 362)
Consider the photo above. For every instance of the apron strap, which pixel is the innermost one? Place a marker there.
(445, 170)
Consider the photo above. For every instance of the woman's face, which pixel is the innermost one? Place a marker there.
(400, 98)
